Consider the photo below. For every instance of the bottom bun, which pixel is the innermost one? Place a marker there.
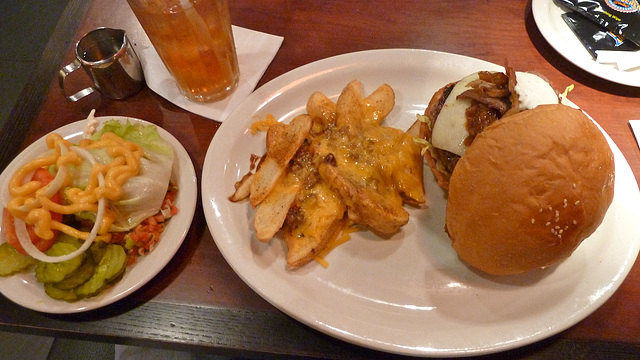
(529, 190)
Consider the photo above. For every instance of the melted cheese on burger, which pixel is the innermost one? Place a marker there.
(450, 131)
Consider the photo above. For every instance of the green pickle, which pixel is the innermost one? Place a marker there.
(78, 277)
(97, 250)
(111, 266)
(59, 294)
(11, 261)
(117, 263)
(55, 272)
(64, 238)
(84, 276)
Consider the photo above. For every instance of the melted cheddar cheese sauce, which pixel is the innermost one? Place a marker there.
(348, 173)
(317, 208)
(382, 158)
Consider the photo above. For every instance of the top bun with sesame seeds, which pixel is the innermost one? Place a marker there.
(529, 190)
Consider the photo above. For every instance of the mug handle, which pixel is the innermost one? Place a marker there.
(62, 74)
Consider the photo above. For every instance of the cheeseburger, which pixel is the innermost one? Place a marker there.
(528, 178)
(459, 111)
(529, 190)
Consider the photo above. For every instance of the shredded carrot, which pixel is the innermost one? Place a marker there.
(143, 238)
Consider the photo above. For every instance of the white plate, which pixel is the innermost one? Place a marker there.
(25, 290)
(547, 16)
(408, 294)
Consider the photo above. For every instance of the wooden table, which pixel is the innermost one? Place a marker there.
(197, 302)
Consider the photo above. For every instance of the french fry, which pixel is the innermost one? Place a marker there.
(349, 109)
(272, 211)
(302, 250)
(379, 104)
(388, 164)
(243, 188)
(322, 110)
(408, 168)
(282, 143)
(283, 140)
(332, 166)
(318, 216)
(265, 179)
(379, 210)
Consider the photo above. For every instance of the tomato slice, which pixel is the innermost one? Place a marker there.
(8, 221)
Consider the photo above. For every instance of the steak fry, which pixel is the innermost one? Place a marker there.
(282, 143)
(273, 210)
(381, 211)
(315, 218)
(335, 165)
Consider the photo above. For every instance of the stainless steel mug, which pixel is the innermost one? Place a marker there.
(111, 63)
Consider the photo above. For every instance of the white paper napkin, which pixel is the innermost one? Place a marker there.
(624, 60)
(635, 127)
(255, 51)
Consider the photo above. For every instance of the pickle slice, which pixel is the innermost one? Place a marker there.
(64, 238)
(59, 294)
(78, 277)
(55, 272)
(11, 261)
(111, 266)
(97, 250)
(117, 264)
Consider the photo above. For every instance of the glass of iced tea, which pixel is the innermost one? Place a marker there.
(195, 42)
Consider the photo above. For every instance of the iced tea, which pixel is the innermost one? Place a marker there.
(195, 42)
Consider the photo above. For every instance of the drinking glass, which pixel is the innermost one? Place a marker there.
(195, 42)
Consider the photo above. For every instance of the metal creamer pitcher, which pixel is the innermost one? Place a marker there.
(110, 61)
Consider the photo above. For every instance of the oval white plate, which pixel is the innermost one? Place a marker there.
(25, 290)
(547, 16)
(408, 294)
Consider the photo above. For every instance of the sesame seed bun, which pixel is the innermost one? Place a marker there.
(529, 190)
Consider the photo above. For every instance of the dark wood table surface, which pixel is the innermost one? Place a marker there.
(197, 302)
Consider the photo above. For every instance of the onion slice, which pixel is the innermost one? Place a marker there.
(34, 252)
(53, 187)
